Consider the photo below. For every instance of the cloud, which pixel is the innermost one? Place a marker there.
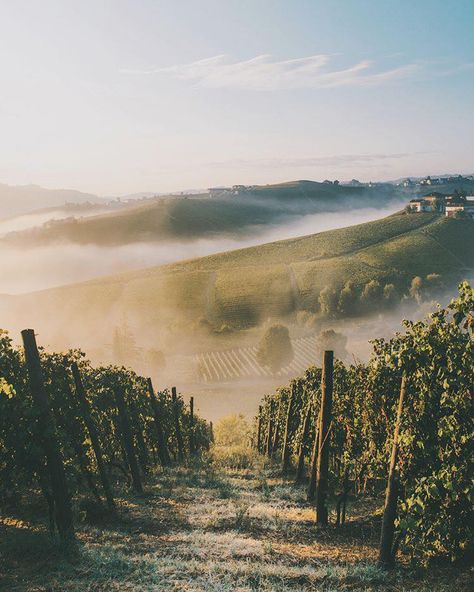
(318, 161)
(264, 73)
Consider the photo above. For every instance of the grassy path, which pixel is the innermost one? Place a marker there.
(208, 528)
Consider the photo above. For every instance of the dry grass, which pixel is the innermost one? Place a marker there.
(212, 528)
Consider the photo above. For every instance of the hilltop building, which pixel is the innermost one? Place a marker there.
(460, 207)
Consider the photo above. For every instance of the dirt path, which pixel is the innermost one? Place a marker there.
(208, 529)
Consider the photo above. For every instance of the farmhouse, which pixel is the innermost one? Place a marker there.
(435, 202)
(460, 207)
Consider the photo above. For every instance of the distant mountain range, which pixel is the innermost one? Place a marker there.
(22, 199)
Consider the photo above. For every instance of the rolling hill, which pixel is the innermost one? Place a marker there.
(244, 287)
(194, 216)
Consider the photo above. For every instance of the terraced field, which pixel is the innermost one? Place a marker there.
(237, 363)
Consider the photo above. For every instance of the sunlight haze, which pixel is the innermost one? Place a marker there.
(119, 96)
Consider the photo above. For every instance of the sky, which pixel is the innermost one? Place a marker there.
(121, 96)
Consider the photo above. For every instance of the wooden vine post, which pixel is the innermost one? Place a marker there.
(311, 491)
(192, 443)
(259, 429)
(127, 440)
(49, 441)
(300, 465)
(177, 427)
(322, 471)
(387, 550)
(269, 441)
(276, 430)
(285, 455)
(163, 452)
(211, 432)
(94, 436)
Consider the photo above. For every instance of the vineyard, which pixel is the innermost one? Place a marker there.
(233, 364)
(407, 413)
(106, 484)
(69, 429)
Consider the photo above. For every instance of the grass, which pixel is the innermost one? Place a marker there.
(186, 535)
(244, 287)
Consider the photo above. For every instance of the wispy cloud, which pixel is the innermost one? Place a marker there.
(346, 160)
(263, 73)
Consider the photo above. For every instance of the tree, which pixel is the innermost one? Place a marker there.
(390, 294)
(416, 288)
(328, 301)
(371, 294)
(275, 349)
(331, 340)
(347, 300)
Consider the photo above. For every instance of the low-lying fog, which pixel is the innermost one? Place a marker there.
(29, 269)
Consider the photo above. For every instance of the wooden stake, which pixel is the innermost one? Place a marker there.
(49, 441)
(127, 440)
(177, 427)
(300, 466)
(386, 550)
(192, 444)
(322, 472)
(259, 429)
(93, 435)
(163, 452)
(285, 455)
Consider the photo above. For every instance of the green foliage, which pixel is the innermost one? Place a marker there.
(232, 430)
(436, 456)
(22, 460)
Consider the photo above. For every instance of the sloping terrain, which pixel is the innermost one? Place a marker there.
(241, 288)
(194, 216)
(211, 529)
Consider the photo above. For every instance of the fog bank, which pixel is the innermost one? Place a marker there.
(30, 269)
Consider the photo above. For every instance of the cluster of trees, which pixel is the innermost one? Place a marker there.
(69, 429)
(407, 413)
(373, 296)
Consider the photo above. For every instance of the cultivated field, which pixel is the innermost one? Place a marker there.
(241, 363)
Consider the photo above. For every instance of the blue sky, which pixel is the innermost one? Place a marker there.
(121, 96)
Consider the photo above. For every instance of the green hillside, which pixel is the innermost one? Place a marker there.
(191, 217)
(243, 287)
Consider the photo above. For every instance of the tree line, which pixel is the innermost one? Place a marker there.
(403, 420)
(68, 428)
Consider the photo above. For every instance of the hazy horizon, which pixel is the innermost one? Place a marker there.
(131, 98)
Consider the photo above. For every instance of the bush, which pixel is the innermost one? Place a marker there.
(233, 430)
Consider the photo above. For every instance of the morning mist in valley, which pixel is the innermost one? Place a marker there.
(236, 296)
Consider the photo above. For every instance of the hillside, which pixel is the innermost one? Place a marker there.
(195, 216)
(244, 287)
(21, 199)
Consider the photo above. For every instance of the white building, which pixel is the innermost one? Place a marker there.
(460, 208)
